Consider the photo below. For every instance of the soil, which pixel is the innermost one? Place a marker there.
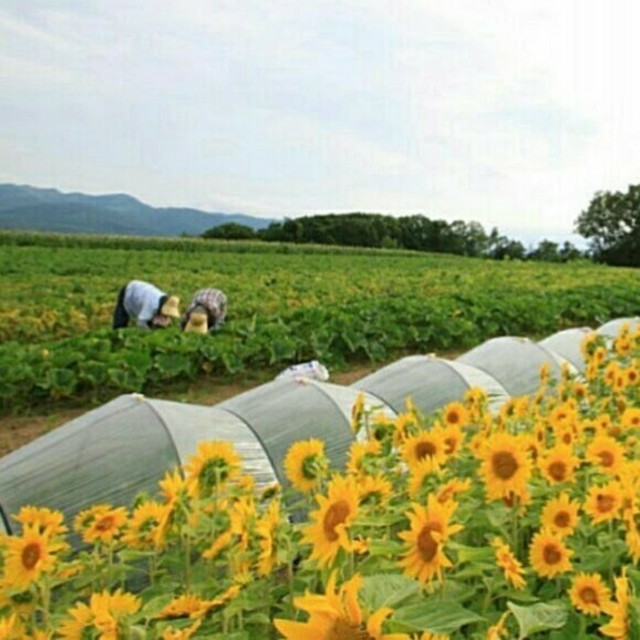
(16, 431)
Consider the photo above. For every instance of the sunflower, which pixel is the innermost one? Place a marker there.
(562, 415)
(430, 529)
(618, 626)
(337, 615)
(357, 413)
(607, 454)
(512, 567)
(548, 554)
(306, 464)
(142, 529)
(185, 606)
(604, 503)
(558, 464)
(453, 439)
(103, 615)
(223, 541)
(100, 523)
(45, 521)
(630, 419)
(455, 414)
(589, 593)
(451, 489)
(499, 630)
(405, 425)
(374, 490)
(329, 530)
(426, 444)
(214, 463)
(184, 633)
(622, 345)
(382, 427)
(632, 375)
(363, 457)
(560, 515)
(632, 538)
(505, 467)
(419, 472)
(266, 529)
(28, 556)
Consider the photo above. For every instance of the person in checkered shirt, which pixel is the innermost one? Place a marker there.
(206, 311)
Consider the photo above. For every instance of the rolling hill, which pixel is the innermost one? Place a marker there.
(28, 208)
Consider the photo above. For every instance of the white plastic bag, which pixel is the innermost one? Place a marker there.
(312, 369)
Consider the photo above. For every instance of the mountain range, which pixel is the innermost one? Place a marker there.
(24, 207)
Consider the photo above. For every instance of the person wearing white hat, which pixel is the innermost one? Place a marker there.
(145, 304)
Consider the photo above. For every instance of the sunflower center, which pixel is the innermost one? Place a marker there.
(344, 630)
(558, 470)
(605, 503)
(589, 595)
(105, 524)
(551, 554)
(606, 458)
(427, 545)
(30, 555)
(504, 464)
(336, 514)
(562, 519)
(453, 417)
(424, 449)
(450, 445)
(567, 438)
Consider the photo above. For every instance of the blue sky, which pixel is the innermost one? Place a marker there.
(509, 113)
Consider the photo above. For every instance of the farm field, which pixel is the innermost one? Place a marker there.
(287, 304)
(464, 524)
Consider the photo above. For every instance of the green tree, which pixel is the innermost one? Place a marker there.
(611, 223)
(230, 231)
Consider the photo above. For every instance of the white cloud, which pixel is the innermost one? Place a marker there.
(509, 113)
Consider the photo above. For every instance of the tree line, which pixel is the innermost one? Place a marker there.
(611, 224)
(416, 232)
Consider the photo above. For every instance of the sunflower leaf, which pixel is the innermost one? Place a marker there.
(386, 590)
(539, 617)
(442, 617)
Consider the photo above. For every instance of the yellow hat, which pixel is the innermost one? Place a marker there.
(197, 322)
(170, 307)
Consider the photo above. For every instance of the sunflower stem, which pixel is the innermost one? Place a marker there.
(514, 530)
(187, 562)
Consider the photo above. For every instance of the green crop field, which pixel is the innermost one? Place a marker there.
(286, 304)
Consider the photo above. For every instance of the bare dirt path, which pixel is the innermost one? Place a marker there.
(16, 431)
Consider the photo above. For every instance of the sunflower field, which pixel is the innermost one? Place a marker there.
(463, 524)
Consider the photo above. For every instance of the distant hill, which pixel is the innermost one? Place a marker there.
(33, 209)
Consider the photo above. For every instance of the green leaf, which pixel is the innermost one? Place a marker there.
(538, 617)
(436, 616)
(386, 590)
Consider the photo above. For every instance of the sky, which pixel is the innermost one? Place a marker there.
(511, 113)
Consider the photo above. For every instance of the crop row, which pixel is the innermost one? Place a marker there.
(102, 363)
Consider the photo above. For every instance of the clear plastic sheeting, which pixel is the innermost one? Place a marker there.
(118, 450)
(515, 363)
(431, 382)
(567, 343)
(285, 411)
(612, 328)
(188, 425)
(106, 455)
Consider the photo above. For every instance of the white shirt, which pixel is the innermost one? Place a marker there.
(142, 301)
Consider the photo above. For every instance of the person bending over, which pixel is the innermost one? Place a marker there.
(146, 305)
(206, 311)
